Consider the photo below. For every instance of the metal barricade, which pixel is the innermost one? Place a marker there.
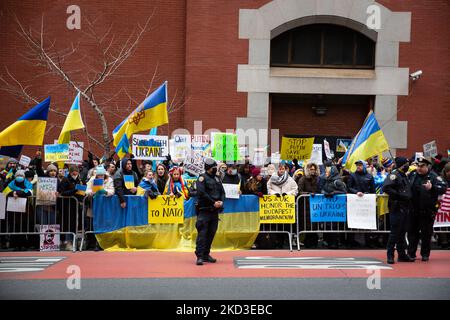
(87, 221)
(65, 213)
(277, 229)
(305, 226)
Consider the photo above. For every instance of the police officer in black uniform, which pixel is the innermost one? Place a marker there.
(210, 199)
(398, 188)
(426, 187)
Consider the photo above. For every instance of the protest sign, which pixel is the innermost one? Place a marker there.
(17, 204)
(24, 161)
(231, 190)
(418, 155)
(343, 144)
(430, 149)
(129, 181)
(75, 152)
(194, 163)
(201, 144)
(46, 191)
(50, 241)
(362, 211)
(328, 153)
(97, 185)
(225, 146)
(296, 148)
(166, 210)
(182, 146)
(2, 205)
(316, 155)
(273, 209)
(443, 215)
(324, 209)
(259, 157)
(148, 147)
(275, 158)
(56, 152)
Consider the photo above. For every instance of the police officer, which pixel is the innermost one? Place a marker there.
(398, 188)
(211, 195)
(426, 187)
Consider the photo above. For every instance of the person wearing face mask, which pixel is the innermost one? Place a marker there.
(232, 176)
(426, 187)
(211, 196)
(398, 188)
(68, 216)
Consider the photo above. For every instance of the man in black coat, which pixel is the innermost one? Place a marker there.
(119, 182)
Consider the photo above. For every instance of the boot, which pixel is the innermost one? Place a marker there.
(210, 259)
(405, 258)
(199, 261)
(390, 258)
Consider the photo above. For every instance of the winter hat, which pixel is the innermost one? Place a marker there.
(20, 173)
(52, 167)
(256, 172)
(100, 171)
(387, 162)
(210, 163)
(73, 168)
(29, 174)
(400, 161)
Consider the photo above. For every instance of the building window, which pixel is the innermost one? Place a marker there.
(322, 46)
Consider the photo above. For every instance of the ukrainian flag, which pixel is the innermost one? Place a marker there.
(73, 121)
(123, 147)
(28, 129)
(370, 141)
(150, 114)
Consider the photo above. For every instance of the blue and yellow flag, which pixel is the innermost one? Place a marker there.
(29, 129)
(123, 147)
(149, 114)
(370, 141)
(73, 121)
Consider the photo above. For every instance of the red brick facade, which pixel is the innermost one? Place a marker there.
(196, 47)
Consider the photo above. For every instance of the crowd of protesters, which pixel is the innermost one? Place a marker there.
(169, 178)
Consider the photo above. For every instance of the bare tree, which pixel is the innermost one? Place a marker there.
(112, 53)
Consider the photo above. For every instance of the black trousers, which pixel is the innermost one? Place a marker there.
(399, 224)
(206, 226)
(420, 228)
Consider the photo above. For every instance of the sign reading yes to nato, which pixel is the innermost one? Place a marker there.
(332, 209)
(148, 147)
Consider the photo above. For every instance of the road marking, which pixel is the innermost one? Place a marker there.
(27, 264)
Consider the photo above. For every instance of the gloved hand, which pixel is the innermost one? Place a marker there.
(284, 194)
(278, 195)
(260, 194)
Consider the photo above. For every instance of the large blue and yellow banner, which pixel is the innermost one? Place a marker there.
(119, 229)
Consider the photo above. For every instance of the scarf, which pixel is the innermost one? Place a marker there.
(277, 180)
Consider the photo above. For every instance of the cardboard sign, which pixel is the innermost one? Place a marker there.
(231, 190)
(225, 147)
(166, 210)
(50, 241)
(362, 211)
(194, 163)
(46, 191)
(56, 152)
(328, 209)
(296, 148)
(430, 149)
(273, 209)
(147, 147)
(16, 204)
(24, 161)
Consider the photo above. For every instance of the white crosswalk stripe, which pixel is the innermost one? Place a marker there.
(27, 264)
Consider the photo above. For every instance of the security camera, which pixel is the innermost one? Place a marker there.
(416, 75)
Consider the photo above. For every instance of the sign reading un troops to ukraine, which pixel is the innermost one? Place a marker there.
(166, 210)
(148, 147)
(332, 209)
(273, 209)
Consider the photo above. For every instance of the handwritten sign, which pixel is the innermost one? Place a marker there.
(225, 147)
(194, 163)
(56, 152)
(259, 157)
(46, 191)
(75, 152)
(316, 155)
(148, 147)
(24, 161)
(443, 215)
(166, 210)
(326, 147)
(182, 146)
(296, 148)
(328, 209)
(362, 211)
(273, 209)
(231, 190)
(17, 204)
(430, 149)
(50, 239)
(201, 144)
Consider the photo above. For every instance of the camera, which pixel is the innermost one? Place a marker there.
(416, 75)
